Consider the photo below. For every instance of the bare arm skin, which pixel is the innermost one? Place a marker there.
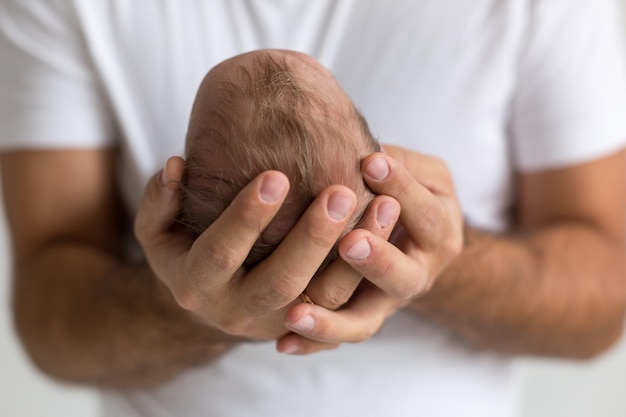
(82, 314)
(557, 284)
(68, 275)
(86, 316)
(554, 286)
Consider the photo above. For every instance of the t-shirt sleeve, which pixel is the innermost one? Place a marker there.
(570, 102)
(50, 94)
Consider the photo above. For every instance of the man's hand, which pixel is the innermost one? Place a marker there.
(205, 275)
(427, 238)
(430, 232)
(552, 286)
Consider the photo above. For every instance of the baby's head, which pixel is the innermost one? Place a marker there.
(274, 110)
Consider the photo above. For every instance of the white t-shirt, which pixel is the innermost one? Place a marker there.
(493, 87)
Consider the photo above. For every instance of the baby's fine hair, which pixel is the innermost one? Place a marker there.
(262, 117)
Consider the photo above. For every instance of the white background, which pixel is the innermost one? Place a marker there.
(554, 389)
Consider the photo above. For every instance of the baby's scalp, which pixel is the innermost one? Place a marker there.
(267, 110)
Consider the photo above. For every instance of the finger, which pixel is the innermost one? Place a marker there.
(401, 275)
(280, 278)
(159, 203)
(156, 217)
(430, 171)
(295, 344)
(334, 286)
(424, 215)
(223, 247)
(216, 257)
(361, 320)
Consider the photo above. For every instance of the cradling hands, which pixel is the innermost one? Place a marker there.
(205, 274)
(430, 232)
(428, 237)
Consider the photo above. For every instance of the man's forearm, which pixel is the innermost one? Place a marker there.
(560, 291)
(86, 318)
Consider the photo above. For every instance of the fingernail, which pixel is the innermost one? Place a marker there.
(386, 214)
(272, 188)
(339, 205)
(378, 169)
(305, 324)
(291, 349)
(359, 251)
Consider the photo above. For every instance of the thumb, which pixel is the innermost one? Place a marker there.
(157, 213)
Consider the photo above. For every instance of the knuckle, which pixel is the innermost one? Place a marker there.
(187, 299)
(278, 293)
(335, 297)
(234, 326)
(250, 217)
(286, 286)
(189, 289)
(222, 258)
(258, 305)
